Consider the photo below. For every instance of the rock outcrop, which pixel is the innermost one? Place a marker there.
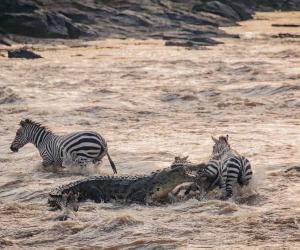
(183, 23)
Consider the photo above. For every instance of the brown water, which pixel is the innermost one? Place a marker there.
(151, 103)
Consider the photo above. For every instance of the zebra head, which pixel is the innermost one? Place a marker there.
(220, 147)
(23, 135)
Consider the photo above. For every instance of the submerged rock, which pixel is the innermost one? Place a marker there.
(192, 43)
(23, 53)
(286, 35)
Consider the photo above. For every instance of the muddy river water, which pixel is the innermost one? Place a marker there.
(151, 103)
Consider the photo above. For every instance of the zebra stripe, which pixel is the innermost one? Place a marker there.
(216, 172)
(238, 170)
(80, 147)
(238, 167)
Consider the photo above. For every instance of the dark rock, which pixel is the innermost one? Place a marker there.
(26, 24)
(5, 41)
(40, 24)
(77, 16)
(297, 168)
(218, 8)
(17, 6)
(130, 18)
(244, 10)
(23, 53)
(286, 35)
(195, 42)
(189, 18)
(59, 26)
(286, 25)
(186, 23)
(291, 5)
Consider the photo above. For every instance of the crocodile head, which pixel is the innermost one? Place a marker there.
(170, 178)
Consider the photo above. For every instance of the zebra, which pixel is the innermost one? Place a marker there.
(81, 147)
(216, 172)
(235, 167)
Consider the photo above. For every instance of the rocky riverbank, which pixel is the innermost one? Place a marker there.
(180, 23)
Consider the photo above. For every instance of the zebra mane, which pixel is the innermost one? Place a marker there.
(224, 138)
(37, 124)
(226, 148)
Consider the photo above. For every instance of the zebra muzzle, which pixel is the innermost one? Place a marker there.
(12, 148)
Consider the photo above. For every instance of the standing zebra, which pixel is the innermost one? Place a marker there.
(236, 167)
(81, 147)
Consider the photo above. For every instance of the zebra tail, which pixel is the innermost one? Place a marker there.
(113, 166)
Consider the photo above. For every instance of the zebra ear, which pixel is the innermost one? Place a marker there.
(185, 158)
(227, 137)
(22, 123)
(214, 139)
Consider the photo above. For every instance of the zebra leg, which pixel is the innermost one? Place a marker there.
(82, 162)
(96, 166)
(229, 188)
(97, 163)
(222, 186)
(47, 163)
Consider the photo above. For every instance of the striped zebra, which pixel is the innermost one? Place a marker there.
(236, 167)
(216, 172)
(81, 147)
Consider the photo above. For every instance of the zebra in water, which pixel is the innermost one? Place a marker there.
(237, 168)
(81, 147)
(216, 172)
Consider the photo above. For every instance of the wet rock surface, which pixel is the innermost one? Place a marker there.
(193, 23)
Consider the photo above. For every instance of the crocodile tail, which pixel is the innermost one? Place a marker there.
(113, 166)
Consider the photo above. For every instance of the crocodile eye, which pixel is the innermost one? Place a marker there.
(157, 189)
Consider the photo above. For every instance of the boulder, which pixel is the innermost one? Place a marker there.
(27, 24)
(218, 8)
(243, 10)
(23, 53)
(59, 26)
(291, 5)
(18, 6)
(40, 24)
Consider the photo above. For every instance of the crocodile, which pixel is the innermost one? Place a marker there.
(144, 189)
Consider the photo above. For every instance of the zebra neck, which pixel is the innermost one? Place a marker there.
(40, 137)
(220, 155)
